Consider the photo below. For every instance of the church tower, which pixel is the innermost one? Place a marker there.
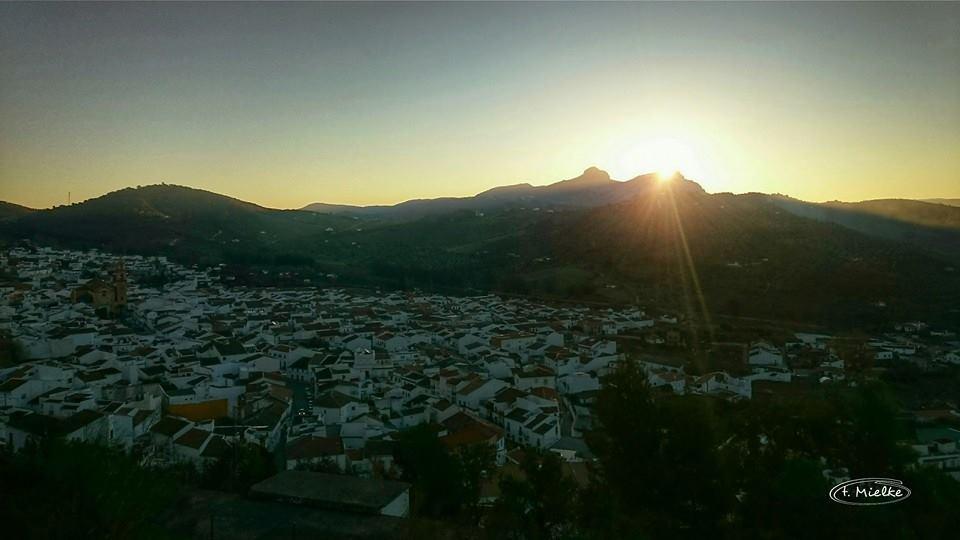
(119, 287)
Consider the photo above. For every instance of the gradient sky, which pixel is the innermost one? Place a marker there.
(289, 104)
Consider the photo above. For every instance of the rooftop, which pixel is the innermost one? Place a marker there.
(330, 491)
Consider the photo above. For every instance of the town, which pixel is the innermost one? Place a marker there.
(178, 366)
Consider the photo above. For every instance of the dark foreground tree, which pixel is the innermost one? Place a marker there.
(693, 467)
(540, 504)
(445, 483)
(64, 489)
(241, 466)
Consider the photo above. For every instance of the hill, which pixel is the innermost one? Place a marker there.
(745, 255)
(190, 223)
(947, 202)
(931, 226)
(587, 238)
(324, 208)
(750, 257)
(12, 211)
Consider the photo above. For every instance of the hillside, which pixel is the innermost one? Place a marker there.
(667, 244)
(176, 220)
(752, 258)
(947, 202)
(12, 211)
(930, 226)
(916, 212)
(324, 208)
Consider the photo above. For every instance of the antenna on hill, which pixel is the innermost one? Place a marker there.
(68, 198)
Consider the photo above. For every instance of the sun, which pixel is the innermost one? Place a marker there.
(666, 175)
(669, 156)
(665, 156)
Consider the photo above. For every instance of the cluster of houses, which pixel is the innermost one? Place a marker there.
(184, 368)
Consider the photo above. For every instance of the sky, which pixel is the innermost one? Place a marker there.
(289, 104)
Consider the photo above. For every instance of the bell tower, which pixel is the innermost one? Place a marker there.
(119, 286)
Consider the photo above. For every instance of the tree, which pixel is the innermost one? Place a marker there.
(875, 431)
(240, 467)
(539, 506)
(11, 351)
(445, 483)
(438, 486)
(475, 463)
(626, 443)
(60, 489)
(661, 461)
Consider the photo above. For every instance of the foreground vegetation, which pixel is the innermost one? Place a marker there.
(667, 467)
(690, 467)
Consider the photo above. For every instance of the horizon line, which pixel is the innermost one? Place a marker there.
(439, 197)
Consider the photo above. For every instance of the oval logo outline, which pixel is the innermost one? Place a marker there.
(889, 482)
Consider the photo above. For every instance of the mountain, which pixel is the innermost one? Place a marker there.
(671, 245)
(12, 211)
(746, 255)
(170, 219)
(592, 188)
(947, 202)
(932, 226)
(587, 238)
